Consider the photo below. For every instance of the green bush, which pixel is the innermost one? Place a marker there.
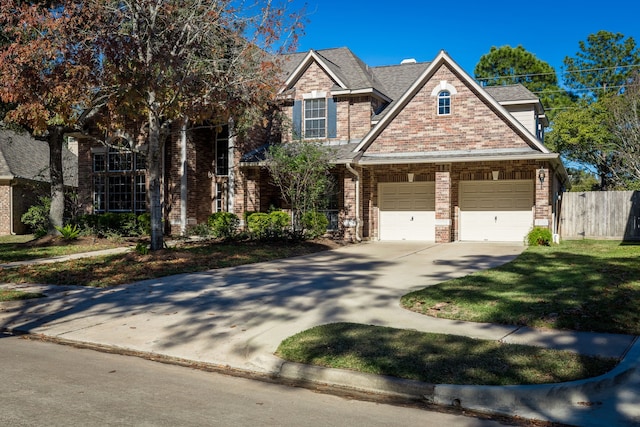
(224, 225)
(69, 232)
(37, 217)
(315, 224)
(200, 230)
(539, 236)
(263, 226)
(115, 224)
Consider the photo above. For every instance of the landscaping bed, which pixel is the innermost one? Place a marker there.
(186, 257)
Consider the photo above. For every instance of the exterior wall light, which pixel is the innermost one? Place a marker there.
(541, 176)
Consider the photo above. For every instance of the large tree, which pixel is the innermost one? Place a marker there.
(603, 64)
(179, 61)
(47, 76)
(588, 132)
(511, 65)
(624, 123)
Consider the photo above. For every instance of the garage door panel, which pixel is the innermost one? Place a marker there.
(407, 211)
(408, 225)
(495, 210)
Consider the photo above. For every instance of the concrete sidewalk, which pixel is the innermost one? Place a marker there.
(235, 318)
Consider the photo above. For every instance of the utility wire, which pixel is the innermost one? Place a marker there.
(584, 70)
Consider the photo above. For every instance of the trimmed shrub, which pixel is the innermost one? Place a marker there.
(263, 226)
(115, 224)
(224, 225)
(539, 236)
(37, 217)
(315, 224)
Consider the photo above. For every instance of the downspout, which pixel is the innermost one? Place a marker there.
(357, 175)
(183, 178)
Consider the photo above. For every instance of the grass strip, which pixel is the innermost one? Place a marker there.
(578, 285)
(15, 295)
(436, 358)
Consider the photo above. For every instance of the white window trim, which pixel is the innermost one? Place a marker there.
(308, 97)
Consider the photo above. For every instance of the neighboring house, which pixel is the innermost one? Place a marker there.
(422, 153)
(24, 176)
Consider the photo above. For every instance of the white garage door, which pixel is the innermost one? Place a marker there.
(407, 211)
(498, 211)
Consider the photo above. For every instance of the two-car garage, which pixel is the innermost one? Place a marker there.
(488, 210)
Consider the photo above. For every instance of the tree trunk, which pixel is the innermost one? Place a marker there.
(154, 173)
(56, 212)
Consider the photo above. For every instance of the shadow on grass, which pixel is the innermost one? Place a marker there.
(592, 286)
(436, 358)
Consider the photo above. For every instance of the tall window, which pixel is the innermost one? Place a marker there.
(222, 152)
(315, 118)
(119, 183)
(444, 103)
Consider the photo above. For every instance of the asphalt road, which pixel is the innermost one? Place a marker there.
(44, 384)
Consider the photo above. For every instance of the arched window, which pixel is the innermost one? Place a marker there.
(444, 103)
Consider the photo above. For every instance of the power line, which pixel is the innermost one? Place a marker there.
(584, 70)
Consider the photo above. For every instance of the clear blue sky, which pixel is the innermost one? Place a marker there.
(385, 32)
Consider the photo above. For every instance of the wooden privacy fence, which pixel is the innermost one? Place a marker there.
(600, 215)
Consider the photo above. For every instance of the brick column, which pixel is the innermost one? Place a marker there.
(542, 207)
(443, 203)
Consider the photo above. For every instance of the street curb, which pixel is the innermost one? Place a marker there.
(526, 402)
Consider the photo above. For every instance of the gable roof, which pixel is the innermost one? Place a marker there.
(23, 157)
(348, 71)
(444, 59)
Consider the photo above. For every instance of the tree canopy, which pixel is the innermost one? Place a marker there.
(603, 64)
(47, 76)
(595, 130)
(512, 65)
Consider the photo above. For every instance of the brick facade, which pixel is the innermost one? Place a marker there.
(472, 124)
(5, 209)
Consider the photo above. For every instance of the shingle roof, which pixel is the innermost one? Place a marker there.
(22, 156)
(510, 93)
(350, 69)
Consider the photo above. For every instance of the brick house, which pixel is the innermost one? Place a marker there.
(24, 176)
(422, 153)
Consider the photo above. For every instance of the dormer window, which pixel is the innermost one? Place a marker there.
(315, 118)
(444, 103)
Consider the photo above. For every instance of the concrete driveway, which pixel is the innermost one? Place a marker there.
(238, 316)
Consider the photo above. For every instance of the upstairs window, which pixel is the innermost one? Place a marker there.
(315, 118)
(444, 103)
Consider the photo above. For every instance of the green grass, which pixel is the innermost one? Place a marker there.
(112, 270)
(578, 285)
(14, 295)
(436, 358)
(22, 248)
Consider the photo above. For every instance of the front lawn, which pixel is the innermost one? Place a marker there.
(578, 285)
(26, 247)
(114, 270)
(436, 358)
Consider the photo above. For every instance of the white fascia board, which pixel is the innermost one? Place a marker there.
(458, 159)
(311, 57)
(444, 58)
